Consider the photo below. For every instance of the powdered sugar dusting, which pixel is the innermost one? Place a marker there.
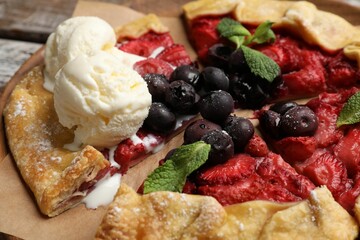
(19, 109)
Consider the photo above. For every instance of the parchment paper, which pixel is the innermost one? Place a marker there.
(19, 215)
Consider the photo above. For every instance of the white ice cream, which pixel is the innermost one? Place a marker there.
(95, 88)
(106, 100)
(78, 35)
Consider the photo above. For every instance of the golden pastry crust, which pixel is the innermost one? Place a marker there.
(195, 9)
(139, 27)
(36, 140)
(168, 215)
(324, 29)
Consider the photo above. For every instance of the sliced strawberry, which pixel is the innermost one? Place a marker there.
(245, 190)
(348, 198)
(275, 170)
(176, 55)
(342, 73)
(323, 168)
(348, 150)
(285, 52)
(189, 187)
(153, 65)
(308, 81)
(336, 99)
(239, 167)
(146, 44)
(203, 35)
(277, 193)
(127, 151)
(295, 149)
(252, 188)
(327, 133)
(256, 147)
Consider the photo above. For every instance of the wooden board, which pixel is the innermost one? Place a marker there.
(350, 12)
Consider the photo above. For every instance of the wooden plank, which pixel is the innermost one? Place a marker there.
(35, 20)
(12, 55)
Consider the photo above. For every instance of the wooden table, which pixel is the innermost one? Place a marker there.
(32, 22)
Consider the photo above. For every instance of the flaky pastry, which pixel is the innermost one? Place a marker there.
(169, 215)
(139, 27)
(36, 140)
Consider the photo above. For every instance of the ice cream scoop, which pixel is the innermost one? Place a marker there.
(78, 35)
(105, 100)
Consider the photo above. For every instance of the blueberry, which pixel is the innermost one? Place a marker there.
(187, 73)
(237, 62)
(160, 118)
(218, 55)
(181, 96)
(240, 129)
(197, 129)
(269, 123)
(298, 121)
(216, 106)
(283, 107)
(222, 146)
(157, 85)
(247, 90)
(214, 78)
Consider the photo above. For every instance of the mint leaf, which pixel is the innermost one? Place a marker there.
(260, 64)
(350, 113)
(262, 34)
(171, 176)
(232, 30)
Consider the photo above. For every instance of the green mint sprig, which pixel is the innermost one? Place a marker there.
(171, 176)
(350, 113)
(259, 64)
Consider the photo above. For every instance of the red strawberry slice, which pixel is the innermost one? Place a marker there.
(244, 190)
(327, 133)
(127, 151)
(285, 52)
(308, 81)
(153, 65)
(323, 168)
(342, 73)
(176, 55)
(239, 167)
(252, 188)
(277, 54)
(275, 170)
(295, 149)
(146, 44)
(203, 35)
(256, 147)
(348, 150)
(189, 187)
(348, 198)
(277, 193)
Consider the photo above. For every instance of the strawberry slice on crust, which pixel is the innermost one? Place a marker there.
(176, 55)
(146, 44)
(347, 150)
(244, 178)
(239, 167)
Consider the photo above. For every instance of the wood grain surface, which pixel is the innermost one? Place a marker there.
(36, 19)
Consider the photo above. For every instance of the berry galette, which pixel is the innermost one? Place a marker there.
(269, 116)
